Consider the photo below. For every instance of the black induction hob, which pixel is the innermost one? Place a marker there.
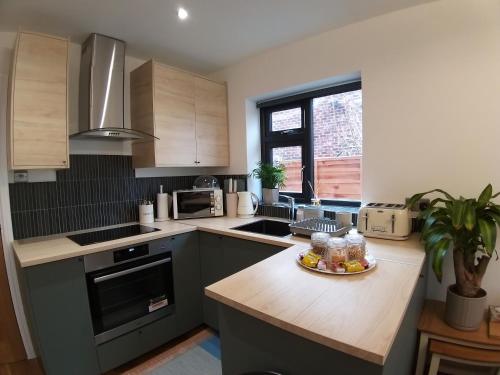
(89, 238)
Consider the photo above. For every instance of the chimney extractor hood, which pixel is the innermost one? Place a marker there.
(101, 91)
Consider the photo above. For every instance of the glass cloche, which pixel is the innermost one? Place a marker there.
(206, 182)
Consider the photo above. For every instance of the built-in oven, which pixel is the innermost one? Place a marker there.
(129, 287)
(190, 204)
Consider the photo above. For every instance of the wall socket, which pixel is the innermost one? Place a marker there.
(21, 176)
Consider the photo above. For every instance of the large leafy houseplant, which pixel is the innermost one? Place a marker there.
(466, 225)
(271, 176)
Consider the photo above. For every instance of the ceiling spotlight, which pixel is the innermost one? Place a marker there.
(182, 13)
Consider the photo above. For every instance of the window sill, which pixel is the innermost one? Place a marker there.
(326, 207)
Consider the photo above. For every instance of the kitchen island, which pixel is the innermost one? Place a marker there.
(277, 315)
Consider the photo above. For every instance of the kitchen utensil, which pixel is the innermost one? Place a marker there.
(307, 227)
(246, 201)
(343, 219)
(231, 204)
(384, 220)
(161, 205)
(313, 212)
(146, 215)
(299, 216)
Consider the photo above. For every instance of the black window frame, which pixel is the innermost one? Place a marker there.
(301, 136)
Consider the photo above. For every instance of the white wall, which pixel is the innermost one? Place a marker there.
(431, 104)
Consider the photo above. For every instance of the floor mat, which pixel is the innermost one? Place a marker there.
(202, 359)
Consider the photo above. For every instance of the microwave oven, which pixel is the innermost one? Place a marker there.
(196, 203)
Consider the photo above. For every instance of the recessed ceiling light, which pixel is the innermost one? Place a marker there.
(182, 13)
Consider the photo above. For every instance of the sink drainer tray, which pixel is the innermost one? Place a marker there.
(309, 226)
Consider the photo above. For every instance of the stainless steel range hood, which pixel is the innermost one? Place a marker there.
(102, 69)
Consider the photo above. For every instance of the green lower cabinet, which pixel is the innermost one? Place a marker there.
(212, 270)
(133, 344)
(187, 282)
(222, 256)
(56, 303)
(57, 307)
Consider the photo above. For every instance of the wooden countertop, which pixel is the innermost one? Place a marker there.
(356, 314)
(34, 251)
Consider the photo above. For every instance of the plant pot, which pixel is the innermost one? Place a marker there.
(464, 313)
(270, 196)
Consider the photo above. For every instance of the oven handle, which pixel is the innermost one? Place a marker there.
(100, 279)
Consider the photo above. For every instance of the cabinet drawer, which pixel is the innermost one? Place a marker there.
(127, 347)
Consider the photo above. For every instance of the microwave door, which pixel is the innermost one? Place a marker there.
(193, 204)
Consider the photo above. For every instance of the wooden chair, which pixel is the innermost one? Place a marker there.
(444, 342)
(462, 354)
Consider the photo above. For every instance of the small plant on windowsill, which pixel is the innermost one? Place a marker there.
(272, 178)
(469, 227)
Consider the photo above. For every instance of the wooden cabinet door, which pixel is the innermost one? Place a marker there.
(174, 111)
(38, 118)
(211, 123)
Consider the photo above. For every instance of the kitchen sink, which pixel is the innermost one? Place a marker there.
(268, 227)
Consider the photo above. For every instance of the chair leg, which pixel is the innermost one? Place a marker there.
(422, 354)
(434, 367)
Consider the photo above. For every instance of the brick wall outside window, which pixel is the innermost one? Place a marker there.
(337, 145)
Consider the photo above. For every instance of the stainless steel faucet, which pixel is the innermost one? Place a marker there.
(291, 204)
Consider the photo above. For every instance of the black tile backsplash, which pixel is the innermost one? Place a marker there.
(97, 190)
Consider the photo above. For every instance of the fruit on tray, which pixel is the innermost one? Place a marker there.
(311, 259)
(337, 267)
(354, 266)
(322, 265)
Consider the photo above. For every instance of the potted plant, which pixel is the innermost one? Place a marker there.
(272, 178)
(469, 227)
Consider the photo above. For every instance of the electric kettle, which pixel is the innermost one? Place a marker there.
(246, 202)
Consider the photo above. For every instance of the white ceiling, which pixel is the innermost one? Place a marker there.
(218, 32)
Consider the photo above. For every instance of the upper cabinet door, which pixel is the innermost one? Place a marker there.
(174, 112)
(38, 108)
(211, 123)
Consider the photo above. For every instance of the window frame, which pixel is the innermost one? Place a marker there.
(301, 136)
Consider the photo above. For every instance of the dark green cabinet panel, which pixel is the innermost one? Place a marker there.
(120, 350)
(131, 345)
(212, 270)
(187, 282)
(60, 317)
(223, 256)
(240, 254)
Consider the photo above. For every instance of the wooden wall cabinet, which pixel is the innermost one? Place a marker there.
(187, 112)
(38, 116)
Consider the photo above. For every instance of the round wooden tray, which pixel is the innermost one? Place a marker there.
(368, 257)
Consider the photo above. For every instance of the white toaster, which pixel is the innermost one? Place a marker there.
(384, 220)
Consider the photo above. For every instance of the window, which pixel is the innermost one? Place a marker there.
(318, 137)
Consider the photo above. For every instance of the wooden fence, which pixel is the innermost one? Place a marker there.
(333, 178)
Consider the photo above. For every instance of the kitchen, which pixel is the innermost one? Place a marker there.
(423, 68)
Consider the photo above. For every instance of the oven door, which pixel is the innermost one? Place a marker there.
(193, 204)
(130, 295)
